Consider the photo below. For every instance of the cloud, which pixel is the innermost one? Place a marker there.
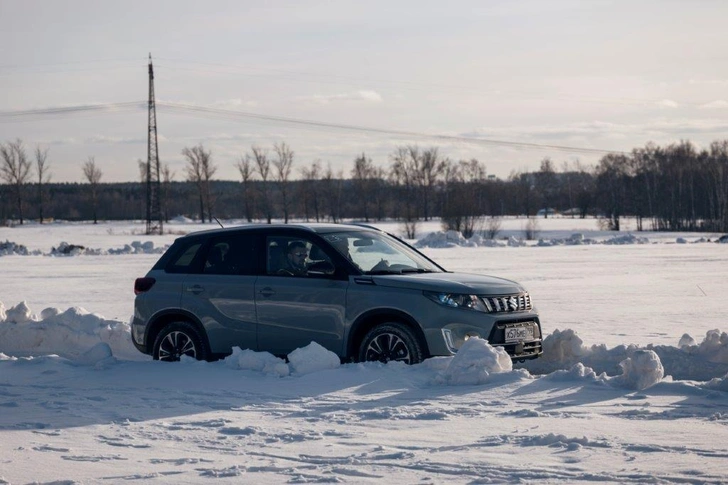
(717, 104)
(667, 103)
(113, 140)
(235, 103)
(592, 130)
(356, 96)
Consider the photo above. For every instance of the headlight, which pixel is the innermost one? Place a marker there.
(455, 300)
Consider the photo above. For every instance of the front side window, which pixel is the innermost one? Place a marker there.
(295, 256)
(379, 253)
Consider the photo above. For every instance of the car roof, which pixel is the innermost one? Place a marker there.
(321, 228)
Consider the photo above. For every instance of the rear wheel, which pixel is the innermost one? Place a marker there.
(391, 341)
(177, 339)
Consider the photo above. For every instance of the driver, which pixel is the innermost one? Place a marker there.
(294, 263)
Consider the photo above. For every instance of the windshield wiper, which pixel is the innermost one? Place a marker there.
(417, 270)
(383, 271)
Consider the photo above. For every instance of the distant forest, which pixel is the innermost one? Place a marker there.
(674, 188)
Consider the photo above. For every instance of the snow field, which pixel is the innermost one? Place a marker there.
(632, 386)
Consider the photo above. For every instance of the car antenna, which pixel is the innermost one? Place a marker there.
(218, 221)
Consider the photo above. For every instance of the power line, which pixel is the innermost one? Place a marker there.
(36, 114)
(228, 114)
(218, 113)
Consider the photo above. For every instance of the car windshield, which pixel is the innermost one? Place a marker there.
(378, 253)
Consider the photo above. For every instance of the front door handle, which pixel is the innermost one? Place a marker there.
(196, 289)
(267, 292)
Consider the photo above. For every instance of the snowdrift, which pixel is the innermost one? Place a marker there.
(88, 339)
(452, 239)
(67, 249)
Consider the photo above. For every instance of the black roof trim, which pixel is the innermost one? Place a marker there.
(320, 228)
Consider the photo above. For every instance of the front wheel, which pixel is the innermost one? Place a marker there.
(391, 341)
(177, 339)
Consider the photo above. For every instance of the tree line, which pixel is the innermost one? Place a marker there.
(676, 187)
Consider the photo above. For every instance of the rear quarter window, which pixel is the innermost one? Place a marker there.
(183, 259)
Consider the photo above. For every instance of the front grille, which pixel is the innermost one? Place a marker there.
(508, 303)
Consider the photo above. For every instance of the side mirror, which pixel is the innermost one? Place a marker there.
(321, 268)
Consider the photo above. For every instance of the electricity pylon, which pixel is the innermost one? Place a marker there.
(155, 218)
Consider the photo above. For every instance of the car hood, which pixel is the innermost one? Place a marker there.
(451, 283)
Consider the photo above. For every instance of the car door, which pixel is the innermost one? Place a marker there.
(221, 292)
(295, 310)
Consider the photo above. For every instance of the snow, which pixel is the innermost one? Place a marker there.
(632, 386)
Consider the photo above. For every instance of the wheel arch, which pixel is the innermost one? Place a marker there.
(161, 319)
(368, 320)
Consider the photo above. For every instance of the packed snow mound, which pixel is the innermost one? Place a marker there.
(475, 361)
(312, 358)
(136, 247)
(182, 220)
(453, 239)
(8, 248)
(66, 249)
(688, 361)
(444, 239)
(576, 239)
(263, 362)
(714, 347)
(627, 239)
(69, 334)
(577, 373)
(641, 371)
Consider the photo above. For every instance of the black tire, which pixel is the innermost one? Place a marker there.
(177, 339)
(391, 341)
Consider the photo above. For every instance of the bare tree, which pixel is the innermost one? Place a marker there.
(15, 171)
(718, 172)
(200, 170)
(245, 168)
(461, 209)
(262, 165)
(93, 176)
(167, 176)
(546, 184)
(283, 164)
(431, 168)
(612, 173)
(333, 188)
(310, 189)
(41, 168)
(405, 172)
(362, 177)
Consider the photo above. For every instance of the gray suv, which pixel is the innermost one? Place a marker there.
(355, 290)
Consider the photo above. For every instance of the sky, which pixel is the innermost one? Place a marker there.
(485, 80)
(632, 386)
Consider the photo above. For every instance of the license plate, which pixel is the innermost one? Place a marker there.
(519, 334)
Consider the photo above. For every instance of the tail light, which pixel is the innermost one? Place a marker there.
(142, 285)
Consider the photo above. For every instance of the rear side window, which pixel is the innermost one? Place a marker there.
(231, 254)
(183, 261)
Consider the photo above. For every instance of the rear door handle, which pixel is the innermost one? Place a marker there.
(267, 292)
(196, 289)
